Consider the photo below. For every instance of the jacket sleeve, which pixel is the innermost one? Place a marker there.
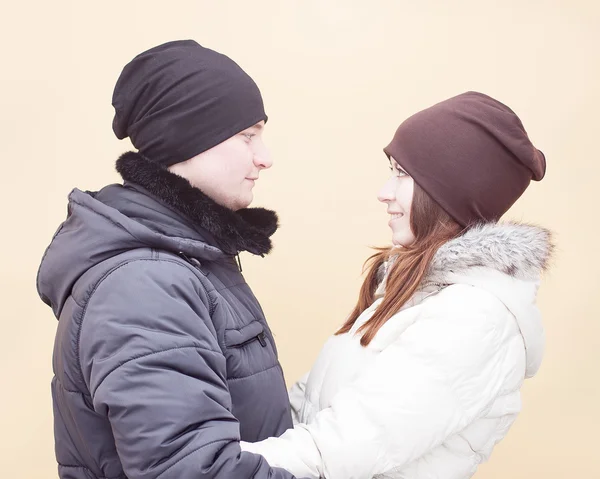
(296, 395)
(149, 354)
(442, 373)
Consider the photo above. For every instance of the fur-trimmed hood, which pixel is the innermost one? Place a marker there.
(504, 259)
(517, 250)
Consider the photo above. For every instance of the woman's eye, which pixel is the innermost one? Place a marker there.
(397, 171)
(249, 135)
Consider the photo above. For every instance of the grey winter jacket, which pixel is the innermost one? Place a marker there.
(163, 359)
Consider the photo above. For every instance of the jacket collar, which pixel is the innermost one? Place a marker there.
(248, 229)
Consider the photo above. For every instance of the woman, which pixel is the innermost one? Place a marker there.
(423, 379)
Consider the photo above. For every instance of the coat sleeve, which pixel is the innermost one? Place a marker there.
(442, 373)
(149, 354)
(296, 395)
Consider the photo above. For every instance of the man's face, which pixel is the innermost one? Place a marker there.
(227, 172)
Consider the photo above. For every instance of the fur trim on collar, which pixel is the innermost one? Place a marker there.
(248, 229)
(518, 250)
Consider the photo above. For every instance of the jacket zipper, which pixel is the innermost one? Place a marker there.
(260, 338)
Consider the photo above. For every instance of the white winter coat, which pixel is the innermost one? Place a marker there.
(438, 386)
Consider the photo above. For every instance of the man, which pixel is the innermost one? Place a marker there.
(163, 359)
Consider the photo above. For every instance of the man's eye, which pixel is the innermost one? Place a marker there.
(249, 135)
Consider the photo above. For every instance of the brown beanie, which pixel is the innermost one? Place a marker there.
(470, 154)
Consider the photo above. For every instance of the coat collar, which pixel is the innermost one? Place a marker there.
(248, 229)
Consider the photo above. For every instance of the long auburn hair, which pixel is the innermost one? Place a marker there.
(431, 227)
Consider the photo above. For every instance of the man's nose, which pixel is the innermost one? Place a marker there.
(262, 156)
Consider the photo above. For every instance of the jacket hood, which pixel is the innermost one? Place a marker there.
(94, 232)
(506, 259)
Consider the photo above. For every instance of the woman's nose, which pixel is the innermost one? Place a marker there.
(387, 192)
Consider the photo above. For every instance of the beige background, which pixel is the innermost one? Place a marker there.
(337, 78)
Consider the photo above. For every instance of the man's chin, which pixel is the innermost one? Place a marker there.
(240, 204)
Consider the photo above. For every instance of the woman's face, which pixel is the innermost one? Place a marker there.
(397, 194)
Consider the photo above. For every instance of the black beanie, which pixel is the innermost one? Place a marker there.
(179, 99)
